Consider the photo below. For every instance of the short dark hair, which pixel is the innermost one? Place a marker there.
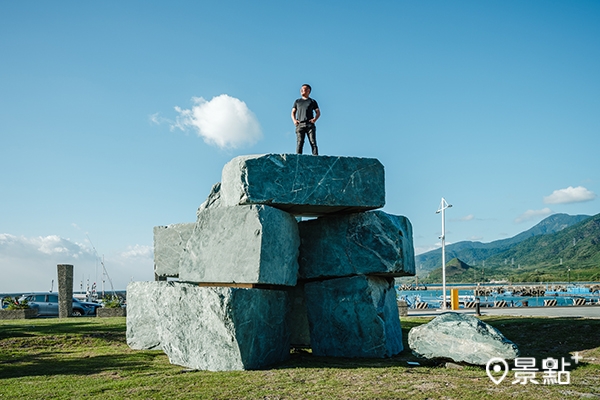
(308, 86)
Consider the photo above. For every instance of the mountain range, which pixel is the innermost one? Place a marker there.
(560, 238)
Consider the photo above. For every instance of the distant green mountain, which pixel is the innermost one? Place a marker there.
(573, 253)
(475, 253)
(456, 271)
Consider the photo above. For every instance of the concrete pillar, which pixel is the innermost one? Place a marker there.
(65, 290)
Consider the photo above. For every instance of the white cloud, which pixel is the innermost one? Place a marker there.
(533, 214)
(156, 119)
(28, 264)
(223, 121)
(424, 249)
(570, 195)
(476, 238)
(137, 251)
(466, 218)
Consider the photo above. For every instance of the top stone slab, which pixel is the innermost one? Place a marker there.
(304, 184)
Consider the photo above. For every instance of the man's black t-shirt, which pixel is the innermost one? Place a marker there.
(304, 109)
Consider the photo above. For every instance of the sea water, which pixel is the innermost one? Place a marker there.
(434, 298)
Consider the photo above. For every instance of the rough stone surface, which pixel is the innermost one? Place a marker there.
(213, 200)
(222, 329)
(26, 313)
(353, 317)
(354, 244)
(461, 338)
(142, 317)
(169, 244)
(209, 328)
(103, 312)
(303, 184)
(297, 317)
(243, 244)
(65, 290)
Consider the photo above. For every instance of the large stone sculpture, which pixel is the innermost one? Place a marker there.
(252, 279)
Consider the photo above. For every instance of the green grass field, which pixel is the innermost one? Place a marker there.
(89, 358)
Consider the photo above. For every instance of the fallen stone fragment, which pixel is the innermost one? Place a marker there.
(214, 328)
(356, 244)
(461, 338)
(142, 317)
(169, 243)
(353, 317)
(303, 184)
(244, 244)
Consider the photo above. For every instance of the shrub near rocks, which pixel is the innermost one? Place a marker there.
(112, 307)
(16, 310)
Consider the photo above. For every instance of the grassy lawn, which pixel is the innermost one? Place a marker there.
(89, 358)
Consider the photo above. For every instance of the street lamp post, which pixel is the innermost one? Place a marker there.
(443, 206)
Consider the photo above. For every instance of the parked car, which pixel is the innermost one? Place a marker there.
(47, 304)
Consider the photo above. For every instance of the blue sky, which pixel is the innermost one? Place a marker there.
(493, 105)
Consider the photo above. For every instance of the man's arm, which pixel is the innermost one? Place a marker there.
(294, 116)
(317, 115)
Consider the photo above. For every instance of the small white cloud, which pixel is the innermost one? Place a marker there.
(137, 251)
(570, 195)
(469, 217)
(476, 238)
(224, 121)
(156, 119)
(424, 249)
(533, 214)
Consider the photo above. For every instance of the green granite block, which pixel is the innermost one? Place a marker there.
(303, 184)
(370, 243)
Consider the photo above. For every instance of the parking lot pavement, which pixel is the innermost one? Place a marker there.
(564, 312)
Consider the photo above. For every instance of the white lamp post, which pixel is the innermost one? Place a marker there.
(443, 206)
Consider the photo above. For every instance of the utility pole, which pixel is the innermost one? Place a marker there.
(443, 206)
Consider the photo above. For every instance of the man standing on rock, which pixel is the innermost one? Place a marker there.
(304, 119)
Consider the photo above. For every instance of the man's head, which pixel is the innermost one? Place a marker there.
(305, 90)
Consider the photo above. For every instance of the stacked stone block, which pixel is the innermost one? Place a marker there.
(252, 279)
(356, 244)
(353, 317)
(250, 244)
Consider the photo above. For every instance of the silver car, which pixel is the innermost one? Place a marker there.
(47, 304)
